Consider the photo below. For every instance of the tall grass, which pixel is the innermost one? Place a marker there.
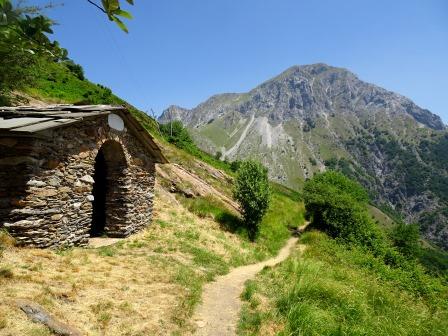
(284, 213)
(332, 290)
(5, 241)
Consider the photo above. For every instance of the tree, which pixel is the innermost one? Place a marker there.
(177, 134)
(252, 193)
(113, 11)
(406, 238)
(23, 42)
(234, 165)
(76, 69)
(25, 45)
(337, 205)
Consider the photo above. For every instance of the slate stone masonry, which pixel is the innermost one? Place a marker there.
(46, 184)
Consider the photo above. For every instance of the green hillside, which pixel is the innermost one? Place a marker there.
(331, 290)
(357, 269)
(354, 292)
(349, 275)
(202, 234)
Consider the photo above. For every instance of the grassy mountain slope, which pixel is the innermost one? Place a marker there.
(317, 117)
(150, 282)
(55, 83)
(326, 289)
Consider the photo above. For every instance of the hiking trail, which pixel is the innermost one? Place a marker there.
(217, 315)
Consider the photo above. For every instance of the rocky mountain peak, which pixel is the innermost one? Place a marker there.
(312, 117)
(174, 112)
(309, 92)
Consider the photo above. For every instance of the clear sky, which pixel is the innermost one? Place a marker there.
(183, 51)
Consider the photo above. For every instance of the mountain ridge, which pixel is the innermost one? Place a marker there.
(316, 117)
(432, 120)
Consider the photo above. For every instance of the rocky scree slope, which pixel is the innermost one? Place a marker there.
(314, 117)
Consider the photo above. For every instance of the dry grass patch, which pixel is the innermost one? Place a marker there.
(147, 284)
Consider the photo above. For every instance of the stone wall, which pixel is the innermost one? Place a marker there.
(46, 185)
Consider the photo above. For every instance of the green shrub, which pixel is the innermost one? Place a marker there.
(337, 205)
(177, 134)
(76, 69)
(406, 239)
(234, 165)
(6, 273)
(435, 261)
(253, 194)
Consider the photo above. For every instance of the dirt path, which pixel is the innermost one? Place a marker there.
(102, 241)
(221, 303)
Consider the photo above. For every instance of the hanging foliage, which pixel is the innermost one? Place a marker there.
(114, 12)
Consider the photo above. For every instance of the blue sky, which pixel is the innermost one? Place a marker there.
(183, 51)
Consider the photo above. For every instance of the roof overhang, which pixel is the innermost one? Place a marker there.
(30, 121)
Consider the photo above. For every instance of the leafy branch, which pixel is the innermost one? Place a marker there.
(113, 11)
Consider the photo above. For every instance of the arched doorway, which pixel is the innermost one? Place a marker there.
(109, 190)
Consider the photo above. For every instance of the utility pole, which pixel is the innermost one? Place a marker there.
(153, 115)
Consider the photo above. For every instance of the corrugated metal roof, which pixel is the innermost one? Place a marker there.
(32, 121)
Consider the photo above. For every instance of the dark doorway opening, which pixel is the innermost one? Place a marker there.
(108, 211)
(99, 194)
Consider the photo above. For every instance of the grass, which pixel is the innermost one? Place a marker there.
(147, 284)
(3, 323)
(55, 83)
(212, 263)
(6, 273)
(435, 260)
(332, 290)
(285, 212)
(5, 241)
(110, 251)
(102, 311)
(210, 207)
(161, 271)
(187, 278)
(216, 132)
(205, 206)
(380, 217)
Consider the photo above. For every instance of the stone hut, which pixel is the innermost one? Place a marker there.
(68, 173)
